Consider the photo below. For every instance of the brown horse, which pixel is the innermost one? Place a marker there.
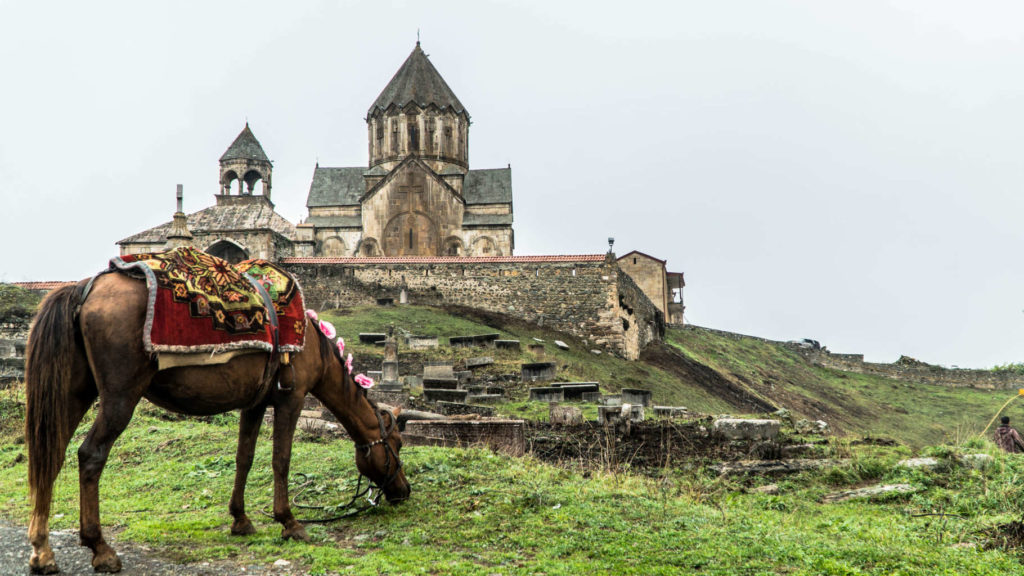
(80, 350)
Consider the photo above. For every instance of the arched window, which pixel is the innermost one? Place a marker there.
(227, 250)
(453, 246)
(369, 247)
(430, 129)
(333, 247)
(414, 135)
(227, 180)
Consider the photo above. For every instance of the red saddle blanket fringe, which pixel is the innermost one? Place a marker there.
(201, 303)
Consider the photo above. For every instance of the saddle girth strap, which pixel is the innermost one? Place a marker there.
(274, 360)
(268, 303)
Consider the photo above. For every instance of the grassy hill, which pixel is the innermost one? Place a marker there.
(168, 479)
(704, 371)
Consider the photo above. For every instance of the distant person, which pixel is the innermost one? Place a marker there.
(1007, 437)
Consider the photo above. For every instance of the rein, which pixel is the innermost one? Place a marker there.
(372, 499)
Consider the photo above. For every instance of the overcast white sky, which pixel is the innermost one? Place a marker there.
(850, 171)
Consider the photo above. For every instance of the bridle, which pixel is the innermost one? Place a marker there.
(372, 499)
(385, 433)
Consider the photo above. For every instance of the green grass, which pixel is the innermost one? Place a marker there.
(474, 512)
(917, 414)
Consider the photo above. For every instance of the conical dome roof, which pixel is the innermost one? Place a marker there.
(245, 147)
(417, 81)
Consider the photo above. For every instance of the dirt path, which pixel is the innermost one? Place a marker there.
(137, 560)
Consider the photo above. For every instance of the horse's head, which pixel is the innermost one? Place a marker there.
(378, 459)
(374, 429)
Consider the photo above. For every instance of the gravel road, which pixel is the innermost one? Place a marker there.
(137, 560)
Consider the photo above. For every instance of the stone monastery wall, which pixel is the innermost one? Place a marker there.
(904, 369)
(583, 295)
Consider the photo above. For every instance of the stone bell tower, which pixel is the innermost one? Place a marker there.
(417, 114)
(247, 163)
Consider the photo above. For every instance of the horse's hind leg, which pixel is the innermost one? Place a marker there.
(113, 417)
(248, 431)
(83, 392)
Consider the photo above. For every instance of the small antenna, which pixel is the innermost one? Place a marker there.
(417, 36)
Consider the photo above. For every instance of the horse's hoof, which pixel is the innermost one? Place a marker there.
(38, 566)
(295, 533)
(244, 528)
(109, 563)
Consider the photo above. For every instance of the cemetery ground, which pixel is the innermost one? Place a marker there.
(474, 511)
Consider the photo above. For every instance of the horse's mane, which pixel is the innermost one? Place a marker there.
(329, 350)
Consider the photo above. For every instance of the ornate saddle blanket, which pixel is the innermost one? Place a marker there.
(200, 303)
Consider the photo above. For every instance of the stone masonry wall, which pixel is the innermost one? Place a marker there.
(591, 299)
(908, 369)
(904, 369)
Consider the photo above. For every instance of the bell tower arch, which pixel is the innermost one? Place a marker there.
(244, 165)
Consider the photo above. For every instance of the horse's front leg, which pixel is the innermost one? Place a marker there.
(248, 432)
(286, 416)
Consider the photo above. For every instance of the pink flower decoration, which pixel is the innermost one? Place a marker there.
(341, 346)
(348, 364)
(364, 380)
(312, 315)
(328, 329)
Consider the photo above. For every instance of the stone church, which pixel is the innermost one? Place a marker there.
(417, 196)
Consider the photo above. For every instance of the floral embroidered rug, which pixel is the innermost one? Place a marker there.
(200, 303)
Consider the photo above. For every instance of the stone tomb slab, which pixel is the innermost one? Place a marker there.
(574, 391)
(477, 340)
(611, 400)
(636, 396)
(506, 436)
(397, 399)
(440, 394)
(564, 415)
(479, 362)
(747, 429)
(440, 383)
(609, 414)
(372, 337)
(547, 394)
(459, 409)
(438, 370)
(535, 371)
(670, 411)
(507, 344)
(485, 398)
(420, 342)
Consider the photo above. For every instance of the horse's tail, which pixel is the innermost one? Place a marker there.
(49, 357)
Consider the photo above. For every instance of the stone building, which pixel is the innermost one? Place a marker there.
(417, 221)
(664, 288)
(417, 196)
(242, 224)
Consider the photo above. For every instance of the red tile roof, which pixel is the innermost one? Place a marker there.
(51, 285)
(448, 259)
